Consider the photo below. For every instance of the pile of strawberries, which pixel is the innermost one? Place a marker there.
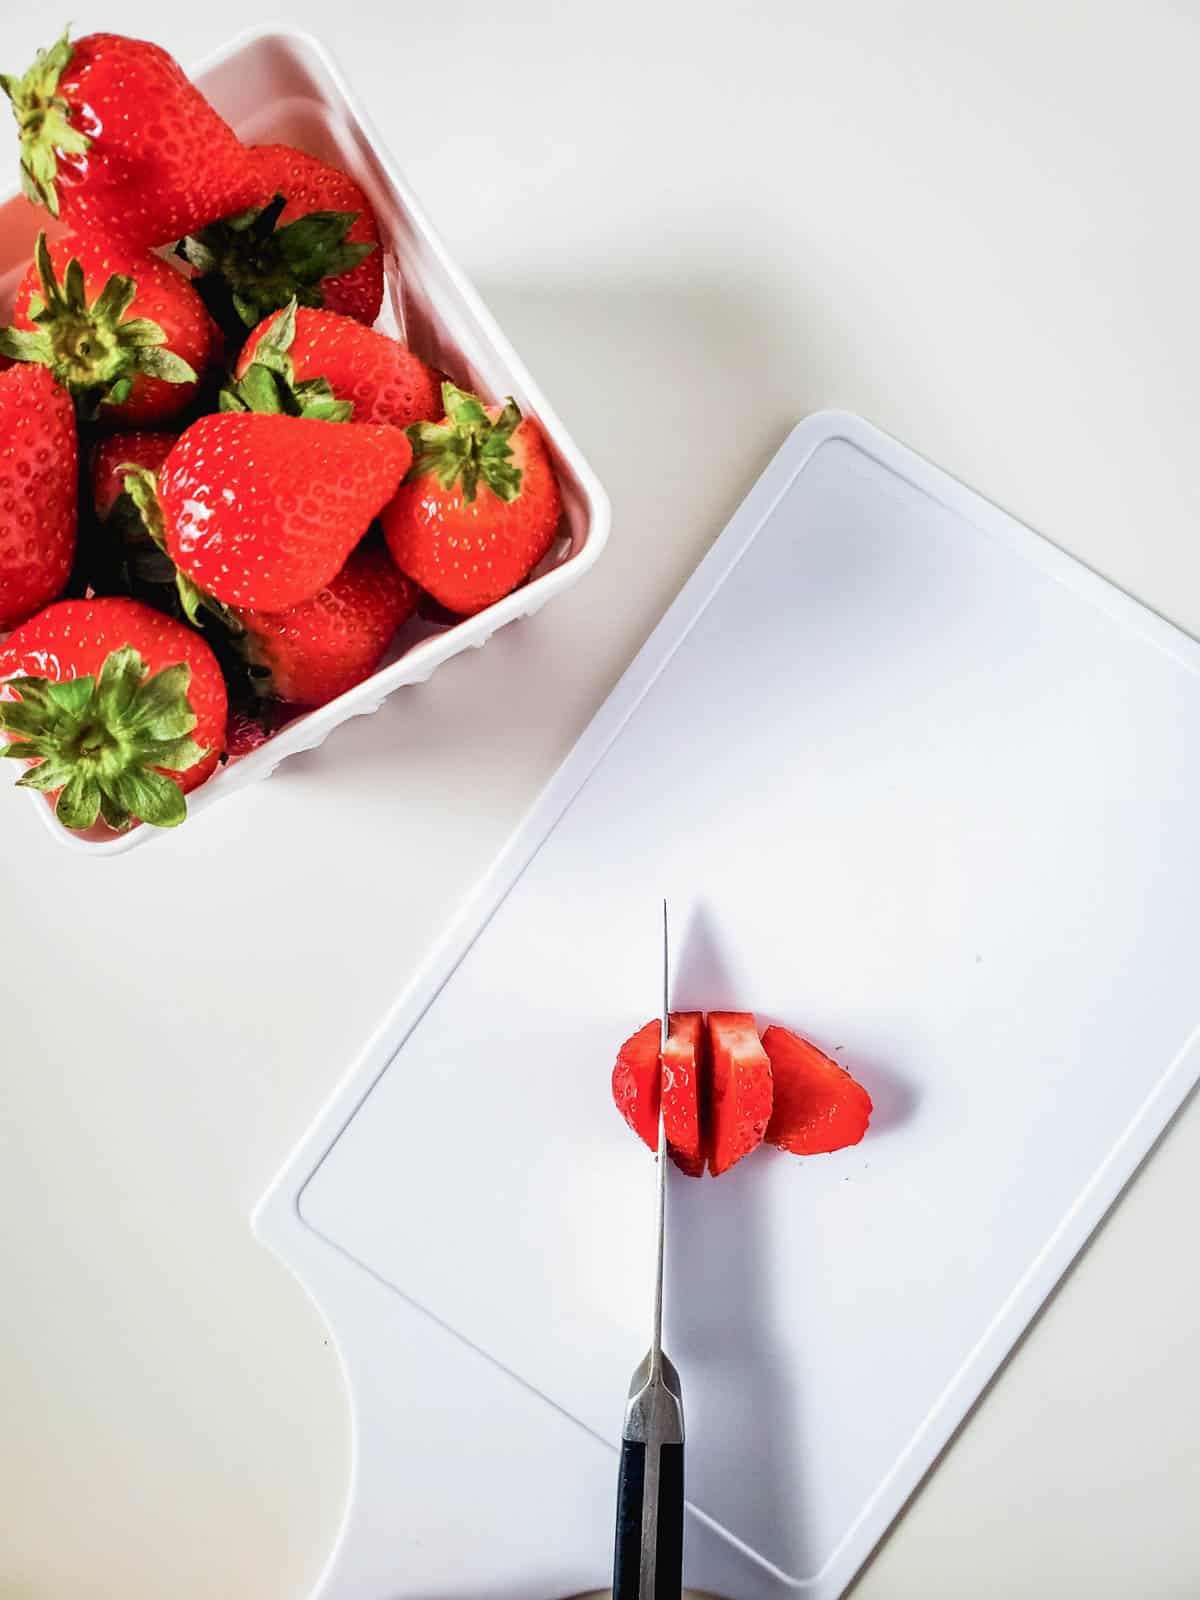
(222, 490)
(724, 1090)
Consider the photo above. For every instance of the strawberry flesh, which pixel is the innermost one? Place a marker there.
(818, 1106)
(741, 1089)
(684, 1090)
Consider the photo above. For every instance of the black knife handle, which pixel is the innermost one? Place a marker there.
(627, 1561)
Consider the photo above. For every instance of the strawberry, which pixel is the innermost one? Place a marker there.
(118, 328)
(116, 140)
(122, 710)
(635, 1082)
(741, 1088)
(262, 511)
(244, 733)
(310, 235)
(480, 506)
(636, 1086)
(818, 1106)
(116, 451)
(38, 482)
(324, 646)
(685, 1085)
(129, 558)
(378, 375)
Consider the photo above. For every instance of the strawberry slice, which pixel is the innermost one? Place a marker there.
(818, 1105)
(741, 1088)
(635, 1082)
(684, 1091)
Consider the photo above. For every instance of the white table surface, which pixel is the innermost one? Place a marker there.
(976, 226)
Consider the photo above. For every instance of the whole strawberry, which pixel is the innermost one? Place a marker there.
(115, 139)
(119, 710)
(317, 650)
(479, 507)
(310, 235)
(38, 485)
(113, 454)
(121, 330)
(262, 511)
(380, 377)
(126, 559)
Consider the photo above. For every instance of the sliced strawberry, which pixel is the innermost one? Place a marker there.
(741, 1088)
(684, 1091)
(635, 1082)
(818, 1105)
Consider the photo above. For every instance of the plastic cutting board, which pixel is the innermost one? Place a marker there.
(915, 783)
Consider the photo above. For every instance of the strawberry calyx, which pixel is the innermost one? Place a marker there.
(102, 742)
(269, 382)
(44, 122)
(468, 447)
(89, 350)
(252, 266)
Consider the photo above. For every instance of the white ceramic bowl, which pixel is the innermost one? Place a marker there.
(281, 86)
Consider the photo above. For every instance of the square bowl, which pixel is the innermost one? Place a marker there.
(282, 86)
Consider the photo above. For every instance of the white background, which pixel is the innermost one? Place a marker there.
(976, 224)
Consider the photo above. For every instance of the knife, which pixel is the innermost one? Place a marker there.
(648, 1563)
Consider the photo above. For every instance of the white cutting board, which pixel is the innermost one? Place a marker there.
(916, 784)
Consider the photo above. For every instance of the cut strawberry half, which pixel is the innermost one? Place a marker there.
(684, 1091)
(818, 1106)
(741, 1089)
(635, 1081)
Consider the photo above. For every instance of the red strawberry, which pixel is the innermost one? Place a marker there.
(115, 138)
(685, 1085)
(38, 485)
(324, 646)
(684, 1080)
(741, 1088)
(128, 558)
(118, 328)
(262, 511)
(635, 1082)
(118, 450)
(123, 709)
(818, 1106)
(244, 733)
(311, 235)
(382, 379)
(479, 508)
